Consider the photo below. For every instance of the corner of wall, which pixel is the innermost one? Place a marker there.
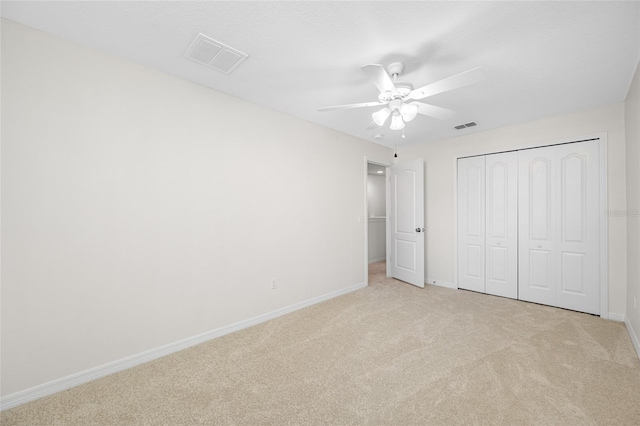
(632, 154)
(633, 336)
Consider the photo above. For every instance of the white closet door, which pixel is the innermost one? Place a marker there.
(559, 190)
(471, 218)
(501, 248)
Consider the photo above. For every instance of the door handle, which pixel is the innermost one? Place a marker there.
(419, 229)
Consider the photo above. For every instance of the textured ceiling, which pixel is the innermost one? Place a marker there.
(544, 58)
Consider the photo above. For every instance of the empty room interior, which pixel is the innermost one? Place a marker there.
(325, 212)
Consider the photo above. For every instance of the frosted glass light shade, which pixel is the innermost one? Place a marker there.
(408, 111)
(396, 122)
(381, 116)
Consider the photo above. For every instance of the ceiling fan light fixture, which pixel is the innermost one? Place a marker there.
(396, 122)
(396, 97)
(381, 116)
(408, 111)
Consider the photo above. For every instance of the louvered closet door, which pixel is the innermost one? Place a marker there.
(471, 217)
(501, 230)
(559, 232)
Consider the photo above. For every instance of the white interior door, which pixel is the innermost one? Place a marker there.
(501, 230)
(471, 223)
(407, 221)
(559, 189)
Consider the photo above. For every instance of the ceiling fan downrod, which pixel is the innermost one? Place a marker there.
(395, 69)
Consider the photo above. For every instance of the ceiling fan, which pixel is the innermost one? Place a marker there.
(400, 98)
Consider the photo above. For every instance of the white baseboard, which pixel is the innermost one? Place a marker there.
(440, 283)
(76, 379)
(615, 317)
(377, 259)
(634, 336)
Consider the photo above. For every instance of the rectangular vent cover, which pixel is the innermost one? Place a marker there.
(216, 55)
(464, 126)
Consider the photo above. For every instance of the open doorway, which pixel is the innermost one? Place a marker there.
(401, 223)
(375, 218)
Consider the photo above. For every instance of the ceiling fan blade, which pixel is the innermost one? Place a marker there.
(455, 81)
(433, 111)
(349, 106)
(379, 77)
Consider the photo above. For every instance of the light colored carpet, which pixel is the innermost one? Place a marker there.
(390, 354)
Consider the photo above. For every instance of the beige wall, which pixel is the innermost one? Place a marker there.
(632, 115)
(439, 188)
(140, 209)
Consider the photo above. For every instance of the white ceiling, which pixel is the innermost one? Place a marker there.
(544, 58)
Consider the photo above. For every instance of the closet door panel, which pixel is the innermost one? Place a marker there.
(501, 242)
(537, 210)
(559, 190)
(579, 227)
(471, 223)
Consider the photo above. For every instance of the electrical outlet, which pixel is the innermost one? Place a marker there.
(274, 284)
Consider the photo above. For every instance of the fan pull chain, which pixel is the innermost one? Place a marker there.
(394, 152)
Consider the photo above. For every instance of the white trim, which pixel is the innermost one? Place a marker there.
(634, 336)
(441, 283)
(455, 222)
(614, 317)
(531, 145)
(377, 219)
(366, 222)
(604, 233)
(57, 385)
(387, 226)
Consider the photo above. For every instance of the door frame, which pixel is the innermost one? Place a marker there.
(604, 225)
(365, 216)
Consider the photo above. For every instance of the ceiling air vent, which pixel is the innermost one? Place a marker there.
(464, 126)
(216, 55)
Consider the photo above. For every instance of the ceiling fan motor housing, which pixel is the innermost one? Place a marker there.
(402, 90)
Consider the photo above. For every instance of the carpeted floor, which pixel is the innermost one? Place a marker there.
(390, 354)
